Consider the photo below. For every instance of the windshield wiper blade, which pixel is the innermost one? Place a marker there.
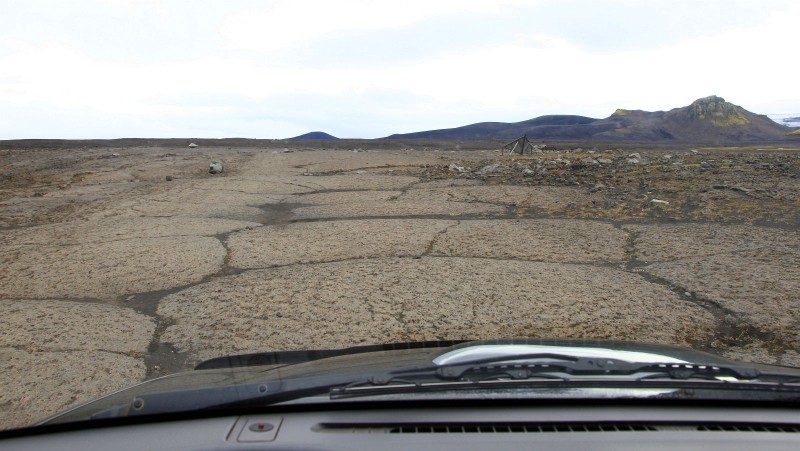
(527, 366)
(557, 371)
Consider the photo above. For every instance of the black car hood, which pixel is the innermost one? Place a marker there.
(255, 368)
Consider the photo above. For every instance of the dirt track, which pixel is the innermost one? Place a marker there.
(110, 274)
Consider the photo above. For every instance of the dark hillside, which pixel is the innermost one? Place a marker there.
(707, 120)
(315, 135)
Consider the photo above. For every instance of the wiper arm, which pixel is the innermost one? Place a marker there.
(564, 371)
(568, 367)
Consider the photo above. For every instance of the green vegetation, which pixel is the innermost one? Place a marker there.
(717, 111)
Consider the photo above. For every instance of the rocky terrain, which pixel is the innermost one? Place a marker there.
(120, 264)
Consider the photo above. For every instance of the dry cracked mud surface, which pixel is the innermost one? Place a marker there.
(110, 274)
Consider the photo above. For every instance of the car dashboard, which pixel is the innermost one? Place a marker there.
(544, 427)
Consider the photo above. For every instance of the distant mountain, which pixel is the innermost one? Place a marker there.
(710, 119)
(315, 135)
(502, 130)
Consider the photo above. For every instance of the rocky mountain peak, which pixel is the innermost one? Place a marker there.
(717, 111)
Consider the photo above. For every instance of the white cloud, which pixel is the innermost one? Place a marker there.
(240, 72)
(284, 24)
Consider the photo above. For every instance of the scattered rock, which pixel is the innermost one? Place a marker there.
(455, 167)
(169, 178)
(636, 158)
(732, 188)
(361, 172)
(604, 161)
(494, 169)
(216, 167)
(659, 201)
(192, 145)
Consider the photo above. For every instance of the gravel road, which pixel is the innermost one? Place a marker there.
(110, 274)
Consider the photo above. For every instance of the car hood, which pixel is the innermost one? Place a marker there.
(255, 368)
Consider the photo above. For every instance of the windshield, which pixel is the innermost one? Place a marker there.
(185, 181)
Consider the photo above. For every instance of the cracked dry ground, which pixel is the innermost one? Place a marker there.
(112, 275)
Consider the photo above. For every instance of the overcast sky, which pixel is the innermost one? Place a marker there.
(366, 69)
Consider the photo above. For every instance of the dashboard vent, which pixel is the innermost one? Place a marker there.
(500, 428)
(750, 427)
(490, 428)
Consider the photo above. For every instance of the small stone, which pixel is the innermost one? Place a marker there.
(216, 168)
(169, 178)
(455, 167)
(493, 169)
(597, 187)
(361, 172)
(659, 201)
